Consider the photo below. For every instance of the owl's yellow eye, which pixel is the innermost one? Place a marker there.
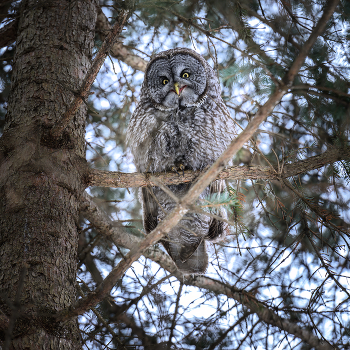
(165, 81)
(185, 75)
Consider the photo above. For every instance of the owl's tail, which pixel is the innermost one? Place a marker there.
(189, 259)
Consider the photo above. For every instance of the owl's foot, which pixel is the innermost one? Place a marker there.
(180, 167)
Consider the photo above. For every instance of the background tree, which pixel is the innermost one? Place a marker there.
(280, 280)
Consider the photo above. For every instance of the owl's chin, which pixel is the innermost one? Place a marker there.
(172, 101)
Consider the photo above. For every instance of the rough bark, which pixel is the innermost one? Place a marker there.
(39, 179)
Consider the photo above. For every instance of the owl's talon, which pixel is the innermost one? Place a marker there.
(173, 168)
(182, 167)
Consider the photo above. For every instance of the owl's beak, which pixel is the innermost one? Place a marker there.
(176, 86)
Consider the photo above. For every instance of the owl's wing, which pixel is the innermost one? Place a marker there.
(150, 210)
(216, 228)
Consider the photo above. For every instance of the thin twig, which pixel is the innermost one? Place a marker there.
(330, 273)
(173, 323)
(101, 319)
(323, 216)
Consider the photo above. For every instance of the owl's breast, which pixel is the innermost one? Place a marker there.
(181, 142)
(193, 138)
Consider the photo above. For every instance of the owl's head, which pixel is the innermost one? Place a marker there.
(177, 78)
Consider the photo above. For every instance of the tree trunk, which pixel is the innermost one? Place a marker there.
(40, 183)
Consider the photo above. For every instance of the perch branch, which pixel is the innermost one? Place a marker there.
(105, 178)
(91, 75)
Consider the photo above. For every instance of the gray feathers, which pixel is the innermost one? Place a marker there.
(180, 122)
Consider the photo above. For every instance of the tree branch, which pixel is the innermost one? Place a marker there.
(323, 88)
(8, 33)
(173, 323)
(105, 178)
(118, 50)
(173, 218)
(224, 335)
(101, 319)
(318, 30)
(91, 75)
(118, 312)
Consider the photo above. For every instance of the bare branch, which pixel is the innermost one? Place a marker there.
(105, 178)
(323, 88)
(8, 33)
(118, 50)
(318, 30)
(224, 335)
(324, 264)
(118, 313)
(324, 215)
(173, 323)
(176, 215)
(91, 75)
(101, 319)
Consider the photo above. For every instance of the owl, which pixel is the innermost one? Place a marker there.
(180, 122)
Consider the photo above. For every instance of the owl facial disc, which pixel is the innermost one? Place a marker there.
(176, 80)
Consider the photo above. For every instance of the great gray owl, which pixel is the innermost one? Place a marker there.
(180, 123)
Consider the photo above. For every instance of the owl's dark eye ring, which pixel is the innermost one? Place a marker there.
(185, 75)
